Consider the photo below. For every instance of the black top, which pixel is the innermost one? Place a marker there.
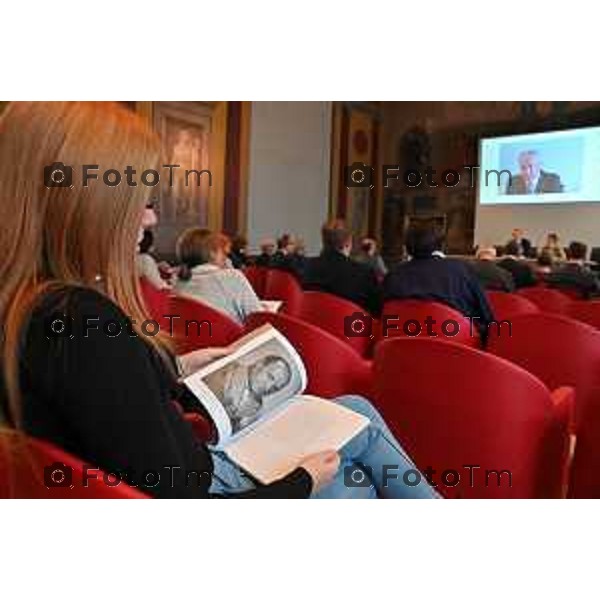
(108, 400)
(335, 273)
(444, 280)
(522, 273)
(576, 277)
(291, 263)
(491, 276)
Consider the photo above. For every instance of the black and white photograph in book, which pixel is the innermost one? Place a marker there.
(255, 382)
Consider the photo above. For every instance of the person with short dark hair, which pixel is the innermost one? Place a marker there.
(523, 275)
(489, 274)
(368, 255)
(146, 264)
(237, 253)
(575, 274)
(427, 276)
(287, 258)
(334, 272)
(518, 245)
(268, 248)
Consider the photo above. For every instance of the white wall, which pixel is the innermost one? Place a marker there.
(289, 174)
(575, 221)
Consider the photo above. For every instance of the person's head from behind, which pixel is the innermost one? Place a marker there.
(239, 244)
(269, 375)
(423, 240)
(552, 240)
(368, 246)
(336, 237)
(529, 165)
(268, 246)
(287, 244)
(486, 253)
(197, 246)
(577, 251)
(57, 235)
(149, 218)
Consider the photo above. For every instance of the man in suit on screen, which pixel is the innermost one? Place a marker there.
(532, 179)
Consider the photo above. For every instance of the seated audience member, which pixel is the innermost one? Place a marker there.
(286, 258)
(427, 276)
(205, 275)
(553, 248)
(523, 275)
(368, 255)
(109, 399)
(238, 253)
(544, 265)
(575, 274)
(489, 274)
(147, 266)
(518, 245)
(268, 247)
(334, 272)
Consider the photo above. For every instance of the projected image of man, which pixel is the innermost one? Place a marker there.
(532, 179)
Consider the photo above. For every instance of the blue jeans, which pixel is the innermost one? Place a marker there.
(373, 465)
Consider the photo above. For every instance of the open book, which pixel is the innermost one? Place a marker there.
(263, 422)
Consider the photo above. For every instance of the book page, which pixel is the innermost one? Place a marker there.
(306, 425)
(246, 386)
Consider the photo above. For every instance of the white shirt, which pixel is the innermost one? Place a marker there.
(148, 269)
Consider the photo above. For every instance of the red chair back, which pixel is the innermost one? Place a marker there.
(198, 325)
(31, 468)
(333, 368)
(420, 310)
(329, 312)
(257, 277)
(562, 351)
(546, 299)
(156, 301)
(505, 305)
(586, 311)
(452, 406)
(280, 285)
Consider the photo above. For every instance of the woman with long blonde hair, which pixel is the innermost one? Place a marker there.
(77, 367)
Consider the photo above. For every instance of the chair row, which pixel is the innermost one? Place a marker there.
(471, 439)
(556, 349)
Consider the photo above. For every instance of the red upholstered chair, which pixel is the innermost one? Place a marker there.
(333, 368)
(546, 299)
(452, 406)
(505, 306)
(198, 325)
(562, 351)
(156, 301)
(280, 285)
(329, 312)
(420, 310)
(257, 276)
(25, 461)
(586, 311)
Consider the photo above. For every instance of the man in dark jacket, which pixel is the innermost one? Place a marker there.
(489, 274)
(334, 272)
(574, 274)
(427, 276)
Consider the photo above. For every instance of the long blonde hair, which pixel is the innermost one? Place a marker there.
(58, 237)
